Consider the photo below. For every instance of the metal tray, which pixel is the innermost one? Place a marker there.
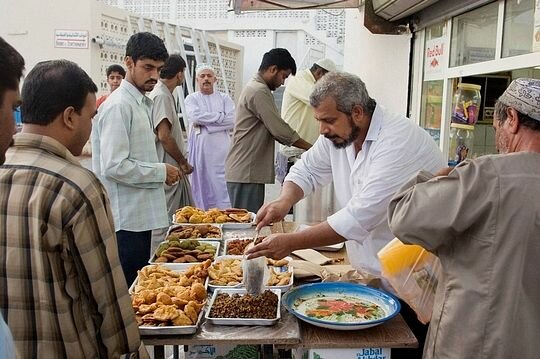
(183, 266)
(172, 329)
(242, 321)
(238, 225)
(282, 288)
(219, 226)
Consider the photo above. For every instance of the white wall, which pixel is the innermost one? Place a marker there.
(30, 27)
(381, 61)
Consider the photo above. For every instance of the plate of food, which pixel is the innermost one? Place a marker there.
(194, 231)
(340, 305)
(227, 272)
(182, 252)
(237, 307)
(231, 218)
(169, 301)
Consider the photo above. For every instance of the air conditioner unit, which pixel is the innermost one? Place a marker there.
(397, 9)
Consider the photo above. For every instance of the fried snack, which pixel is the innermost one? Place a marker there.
(237, 246)
(161, 295)
(193, 215)
(277, 263)
(227, 272)
(278, 279)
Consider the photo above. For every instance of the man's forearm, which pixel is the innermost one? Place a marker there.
(300, 143)
(315, 236)
(171, 147)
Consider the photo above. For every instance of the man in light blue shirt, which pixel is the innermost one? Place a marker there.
(125, 157)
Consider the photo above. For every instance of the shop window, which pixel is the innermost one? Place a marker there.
(518, 33)
(431, 112)
(474, 36)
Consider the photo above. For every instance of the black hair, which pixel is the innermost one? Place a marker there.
(173, 65)
(279, 57)
(316, 67)
(51, 87)
(146, 45)
(116, 68)
(11, 67)
(524, 120)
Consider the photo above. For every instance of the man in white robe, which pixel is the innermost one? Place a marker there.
(211, 117)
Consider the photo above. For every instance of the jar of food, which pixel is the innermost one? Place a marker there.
(466, 104)
(461, 142)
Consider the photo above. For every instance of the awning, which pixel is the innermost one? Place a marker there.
(255, 5)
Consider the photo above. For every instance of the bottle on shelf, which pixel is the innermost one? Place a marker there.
(466, 104)
(461, 143)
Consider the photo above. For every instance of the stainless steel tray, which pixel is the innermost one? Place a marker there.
(217, 225)
(182, 266)
(242, 321)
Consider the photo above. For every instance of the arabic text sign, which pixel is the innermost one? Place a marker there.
(71, 39)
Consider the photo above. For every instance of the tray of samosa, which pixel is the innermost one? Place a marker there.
(169, 301)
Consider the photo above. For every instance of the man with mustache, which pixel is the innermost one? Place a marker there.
(11, 70)
(368, 153)
(250, 162)
(211, 117)
(482, 220)
(125, 156)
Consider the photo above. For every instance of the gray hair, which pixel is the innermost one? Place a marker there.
(500, 115)
(346, 89)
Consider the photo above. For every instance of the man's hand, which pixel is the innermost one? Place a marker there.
(275, 246)
(186, 168)
(173, 174)
(272, 212)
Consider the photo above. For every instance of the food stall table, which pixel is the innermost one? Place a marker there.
(289, 332)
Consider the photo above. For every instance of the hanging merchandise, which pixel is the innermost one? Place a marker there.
(461, 142)
(466, 104)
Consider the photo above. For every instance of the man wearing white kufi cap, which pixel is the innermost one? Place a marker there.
(483, 222)
(211, 117)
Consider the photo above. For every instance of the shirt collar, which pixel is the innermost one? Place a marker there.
(44, 143)
(258, 78)
(133, 91)
(375, 124)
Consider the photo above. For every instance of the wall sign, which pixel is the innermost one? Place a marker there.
(435, 58)
(71, 39)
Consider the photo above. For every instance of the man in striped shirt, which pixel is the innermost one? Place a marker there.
(62, 289)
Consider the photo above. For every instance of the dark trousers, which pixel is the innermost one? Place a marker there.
(419, 330)
(246, 195)
(134, 251)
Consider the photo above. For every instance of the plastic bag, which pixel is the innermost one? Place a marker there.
(255, 274)
(414, 273)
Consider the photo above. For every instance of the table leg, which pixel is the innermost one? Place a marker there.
(267, 351)
(159, 352)
(176, 352)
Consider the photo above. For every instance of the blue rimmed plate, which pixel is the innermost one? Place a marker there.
(340, 305)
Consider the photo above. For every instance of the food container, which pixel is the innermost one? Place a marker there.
(232, 218)
(461, 143)
(277, 269)
(466, 104)
(242, 321)
(170, 329)
(216, 233)
(180, 252)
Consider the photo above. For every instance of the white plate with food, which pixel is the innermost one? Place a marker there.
(195, 231)
(230, 306)
(227, 272)
(174, 305)
(182, 254)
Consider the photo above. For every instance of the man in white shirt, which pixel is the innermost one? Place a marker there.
(368, 153)
(125, 157)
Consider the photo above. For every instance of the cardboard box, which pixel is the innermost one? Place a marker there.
(360, 353)
(222, 352)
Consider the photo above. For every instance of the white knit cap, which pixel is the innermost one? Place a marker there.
(202, 67)
(326, 64)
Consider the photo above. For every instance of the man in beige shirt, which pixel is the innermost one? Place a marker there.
(250, 163)
(483, 222)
